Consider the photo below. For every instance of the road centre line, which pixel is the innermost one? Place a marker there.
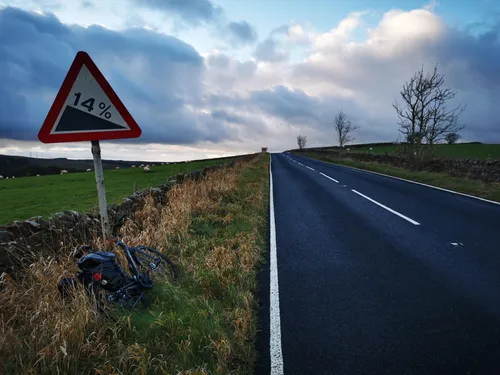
(324, 175)
(275, 351)
(310, 168)
(387, 208)
(406, 180)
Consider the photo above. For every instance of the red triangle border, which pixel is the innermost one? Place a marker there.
(82, 58)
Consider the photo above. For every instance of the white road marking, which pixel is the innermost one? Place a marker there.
(456, 243)
(410, 181)
(300, 164)
(309, 168)
(324, 175)
(387, 208)
(274, 310)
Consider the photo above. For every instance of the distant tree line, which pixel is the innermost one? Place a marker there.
(424, 112)
(343, 128)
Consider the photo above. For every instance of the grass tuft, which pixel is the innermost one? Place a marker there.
(203, 322)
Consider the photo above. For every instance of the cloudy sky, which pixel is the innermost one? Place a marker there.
(210, 78)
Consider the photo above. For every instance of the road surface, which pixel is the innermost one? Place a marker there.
(374, 275)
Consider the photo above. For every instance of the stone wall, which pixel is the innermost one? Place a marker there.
(483, 170)
(23, 241)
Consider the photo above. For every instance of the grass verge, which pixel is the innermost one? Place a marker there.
(201, 323)
(473, 151)
(25, 197)
(474, 187)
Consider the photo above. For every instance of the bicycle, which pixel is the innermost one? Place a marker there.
(102, 276)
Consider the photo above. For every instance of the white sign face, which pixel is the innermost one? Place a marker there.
(88, 109)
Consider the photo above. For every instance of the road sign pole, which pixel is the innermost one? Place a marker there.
(101, 191)
(86, 108)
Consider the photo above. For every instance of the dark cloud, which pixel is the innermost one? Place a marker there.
(280, 30)
(13, 107)
(297, 108)
(240, 33)
(269, 50)
(228, 117)
(196, 12)
(223, 62)
(158, 77)
(277, 46)
(225, 72)
(293, 106)
(246, 127)
(191, 11)
(179, 97)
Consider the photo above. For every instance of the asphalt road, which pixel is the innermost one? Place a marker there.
(378, 276)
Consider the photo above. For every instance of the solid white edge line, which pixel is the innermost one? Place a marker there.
(324, 175)
(387, 208)
(413, 182)
(274, 309)
(312, 169)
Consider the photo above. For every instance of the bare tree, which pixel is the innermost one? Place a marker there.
(423, 114)
(301, 141)
(344, 129)
(452, 138)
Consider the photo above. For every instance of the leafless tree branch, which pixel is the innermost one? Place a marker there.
(344, 129)
(423, 113)
(301, 141)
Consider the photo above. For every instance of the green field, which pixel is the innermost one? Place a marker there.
(475, 151)
(25, 197)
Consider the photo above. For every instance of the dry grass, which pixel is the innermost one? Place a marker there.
(202, 323)
(38, 331)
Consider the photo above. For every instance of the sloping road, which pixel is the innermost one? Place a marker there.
(374, 275)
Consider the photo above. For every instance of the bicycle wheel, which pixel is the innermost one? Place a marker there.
(151, 261)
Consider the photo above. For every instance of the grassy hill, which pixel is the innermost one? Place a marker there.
(43, 196)
(20, 166)
(462, 150)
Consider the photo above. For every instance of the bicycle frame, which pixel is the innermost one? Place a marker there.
(129, 257)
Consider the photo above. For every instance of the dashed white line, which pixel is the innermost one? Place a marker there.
(274, 310)
(410, 181)
(324, 175)
(312, 169)
(387, 208)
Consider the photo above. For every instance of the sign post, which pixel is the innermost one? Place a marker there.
(86, 108)
(101, 191)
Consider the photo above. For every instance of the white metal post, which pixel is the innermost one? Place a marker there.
(101, 191)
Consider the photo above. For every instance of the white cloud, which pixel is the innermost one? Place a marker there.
(297, 33)
(340, 34)
(431, 6)
(365, 76)
(223, 104)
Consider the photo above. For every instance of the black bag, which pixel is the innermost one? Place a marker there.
(102, 268)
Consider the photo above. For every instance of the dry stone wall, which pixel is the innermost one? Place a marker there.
(23, 241)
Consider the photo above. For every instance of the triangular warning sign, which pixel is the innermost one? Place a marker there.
(86, 108)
